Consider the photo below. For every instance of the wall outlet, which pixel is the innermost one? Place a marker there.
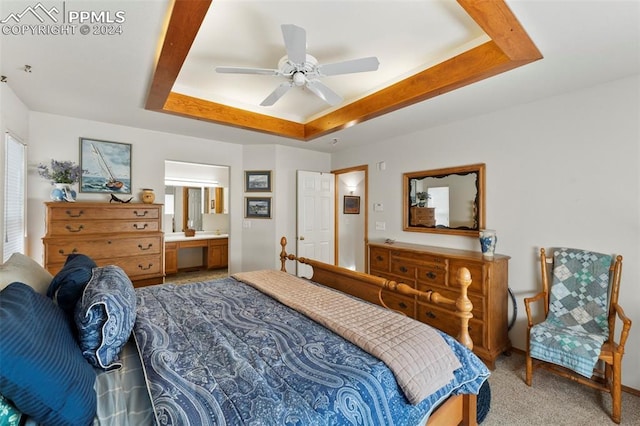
(246, 224)
(381, 226)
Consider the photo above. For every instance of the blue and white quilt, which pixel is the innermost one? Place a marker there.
(223, 353)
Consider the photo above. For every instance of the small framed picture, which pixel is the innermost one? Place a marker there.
(257, 207)
(106, 166)
(351, 204)
(257, 181)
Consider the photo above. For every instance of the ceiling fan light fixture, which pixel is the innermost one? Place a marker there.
(302, 70)
(299, 78)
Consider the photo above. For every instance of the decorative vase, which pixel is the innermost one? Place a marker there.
(488, 240)
(148, 197)
(63, 192)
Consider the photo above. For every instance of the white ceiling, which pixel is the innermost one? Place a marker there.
(106, 78)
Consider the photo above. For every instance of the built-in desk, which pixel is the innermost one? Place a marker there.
(214, 250)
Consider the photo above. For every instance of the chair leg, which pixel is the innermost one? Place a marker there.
(529, 369)
(529, 361)
(616, 389)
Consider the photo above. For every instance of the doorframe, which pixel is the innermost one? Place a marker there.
(362, 168)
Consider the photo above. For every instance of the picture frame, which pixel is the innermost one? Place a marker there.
(106, 166)
(257, 181)
(351, 204)
(257, 208)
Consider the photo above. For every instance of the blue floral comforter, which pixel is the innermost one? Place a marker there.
(223, 353)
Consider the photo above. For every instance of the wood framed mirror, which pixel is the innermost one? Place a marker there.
(445, 201)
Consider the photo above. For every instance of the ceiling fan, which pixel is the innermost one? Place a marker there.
(302, 70)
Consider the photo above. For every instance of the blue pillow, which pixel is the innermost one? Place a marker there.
(67, 285)
(43, 372)
(105, 315)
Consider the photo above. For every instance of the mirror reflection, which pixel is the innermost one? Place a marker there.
(447, 200)
(196, 197)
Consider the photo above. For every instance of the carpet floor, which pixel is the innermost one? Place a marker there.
(551, 400)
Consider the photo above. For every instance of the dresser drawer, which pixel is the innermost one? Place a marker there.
(432, 274)
(403, 269)
(102, 212)
(396, 302)
(477, 275)
(379, 259)
(417, 258)
(85, 227)
(138, 266)
(449, 323)
(58, 249)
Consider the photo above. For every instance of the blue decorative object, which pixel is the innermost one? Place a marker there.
(63, 192)
(488, 240)
(105, 316)
(43, 372)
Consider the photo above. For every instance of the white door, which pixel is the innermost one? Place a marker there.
(316, 200)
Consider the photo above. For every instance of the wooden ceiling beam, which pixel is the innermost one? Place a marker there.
(510, 47)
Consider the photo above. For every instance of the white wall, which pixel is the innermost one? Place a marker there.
(564, 171)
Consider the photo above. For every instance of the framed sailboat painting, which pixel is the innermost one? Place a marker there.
(106, 166)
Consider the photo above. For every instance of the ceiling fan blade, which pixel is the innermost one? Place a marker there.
(323, 92)
(295, 41)
(276, 94)
(247, 70)
(346, 67)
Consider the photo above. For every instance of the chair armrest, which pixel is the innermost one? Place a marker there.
(528, 301)
(626, 326)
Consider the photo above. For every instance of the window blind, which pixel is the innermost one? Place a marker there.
(14, 197)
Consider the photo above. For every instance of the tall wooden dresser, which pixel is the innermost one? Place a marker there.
(435, 268)
(128, 235)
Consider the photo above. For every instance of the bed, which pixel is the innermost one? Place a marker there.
(231, 351)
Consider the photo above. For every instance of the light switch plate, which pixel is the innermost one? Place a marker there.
(381, 226)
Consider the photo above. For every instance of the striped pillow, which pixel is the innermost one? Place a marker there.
(43, 372)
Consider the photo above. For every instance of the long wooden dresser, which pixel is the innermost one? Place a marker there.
(434, 268)
(128, 235)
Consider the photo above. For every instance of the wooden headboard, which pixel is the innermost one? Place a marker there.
(370, 288)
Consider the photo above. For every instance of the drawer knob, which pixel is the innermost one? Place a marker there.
(403, 269)
(139, 228)
(430, 315)
(144, 213)
(78, 229)
(145, 248)
(147, 268)
(403, 305)
(70, 214)
(431, 275)
(379, 258)
(61, 251)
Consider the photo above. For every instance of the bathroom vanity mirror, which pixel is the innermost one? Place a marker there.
(196, 197)
(447, 201)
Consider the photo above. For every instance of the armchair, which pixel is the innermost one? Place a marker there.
(577, 338)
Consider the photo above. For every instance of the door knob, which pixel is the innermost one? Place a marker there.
(301, 238)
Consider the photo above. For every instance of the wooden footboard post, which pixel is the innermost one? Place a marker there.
(464, 307)
(283, 254)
